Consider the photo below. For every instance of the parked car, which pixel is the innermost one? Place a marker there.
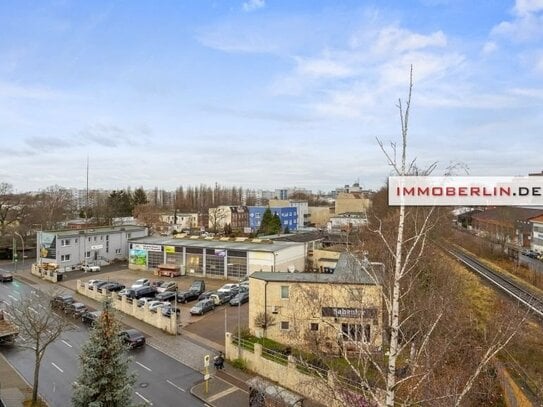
(206, 295)
(186, 296)
(155, 305)
(156, 283)
(60, 301)
(145, 291)
(167, 311)
(241, 298)
(5, 277)
(90, 317)
(203, 306)
(198, 285)
(124, 291)
(142, 301)
(229, 288)
(167, 286)
(75, 309)
(112, 287)
(88, 268)
(165, 296)
(142, 282)
(93, 283)
(133, 338)
(220, 298)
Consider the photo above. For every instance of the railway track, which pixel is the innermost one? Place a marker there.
(509, 286)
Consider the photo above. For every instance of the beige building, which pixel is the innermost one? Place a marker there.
(325, 260)
(180, 221)
(318, 310)
(319, 215)
(351, 202)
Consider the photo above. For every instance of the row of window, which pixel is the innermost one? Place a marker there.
(66, 257)
(67, 242)
(350, 332)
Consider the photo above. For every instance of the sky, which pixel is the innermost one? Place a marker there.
(265, 93)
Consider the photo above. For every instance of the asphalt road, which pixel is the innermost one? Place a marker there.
(161, 380)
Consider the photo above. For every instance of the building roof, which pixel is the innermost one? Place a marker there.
(248, 245)
(349, 270)
(298, 237)
(507, 215)
(94, 230)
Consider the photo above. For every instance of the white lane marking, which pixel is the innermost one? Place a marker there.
(33, 310)
(145, 367)
(12, 297)
(59, 369)
(222, 394)
(66, 343)
(143, 398)
(175, 385)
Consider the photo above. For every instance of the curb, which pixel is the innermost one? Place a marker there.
(200, 398)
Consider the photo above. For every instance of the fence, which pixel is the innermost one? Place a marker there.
(128, 306)
(311, 381)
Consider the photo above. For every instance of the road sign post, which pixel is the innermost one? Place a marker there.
(206, 375)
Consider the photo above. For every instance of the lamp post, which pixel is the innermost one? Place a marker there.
(23, 243)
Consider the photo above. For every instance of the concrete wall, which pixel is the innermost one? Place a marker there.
(122, 304)
(315, 388)
(44, 274)
(319, 215)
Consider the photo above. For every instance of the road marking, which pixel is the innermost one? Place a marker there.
(66, 343)
(59, 369)
(176, 386)
(13, 298)
(142, 365)
(7, 313)
(33, 310)
(143, 398)
(222, 394)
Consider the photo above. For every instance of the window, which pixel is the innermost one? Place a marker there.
(107, 237)
(117, 251)
(284, 292)
(75, 241)
(313, 326)
(65, 242)
(284, 325)
(89, 239)
(129, 235)
(87, 255)
(101, 237)
(65, 257)
(356, 332)
(95, 238)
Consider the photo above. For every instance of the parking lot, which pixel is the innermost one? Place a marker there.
(210, 326)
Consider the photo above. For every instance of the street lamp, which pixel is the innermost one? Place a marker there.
(15, 250)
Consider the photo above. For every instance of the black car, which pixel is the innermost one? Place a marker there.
(166, 296)
(240, 298)
(141, 292)
(6, 277)
(167, 311)
(133, 338)
(60, 301)
(186, 296)
(206, 295)
(111, 287)
(203, 306)
(90, 317)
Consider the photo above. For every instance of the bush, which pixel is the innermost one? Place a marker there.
(240, 364)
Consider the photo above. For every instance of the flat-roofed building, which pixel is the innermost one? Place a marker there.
(221, 258)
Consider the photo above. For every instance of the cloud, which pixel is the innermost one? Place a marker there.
(316, 67)
(252, 5)
(526, 24)
(489, 47)
(395, 39)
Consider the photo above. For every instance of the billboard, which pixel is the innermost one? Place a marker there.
(138, 257)
(48, 245)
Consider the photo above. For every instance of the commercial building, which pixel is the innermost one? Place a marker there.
(348, 221)
(342, 309)
(288, 216)
(302, 208)
(70, 249)
(221, 258)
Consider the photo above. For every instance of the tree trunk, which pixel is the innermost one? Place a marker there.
(395, 320)
(36, 379)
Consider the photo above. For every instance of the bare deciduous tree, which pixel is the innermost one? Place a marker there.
(39, 325)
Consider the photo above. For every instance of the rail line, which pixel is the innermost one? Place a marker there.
(529, 299)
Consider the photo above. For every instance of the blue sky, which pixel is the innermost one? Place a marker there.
(264, 93)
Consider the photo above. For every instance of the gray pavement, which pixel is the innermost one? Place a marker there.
(189, 347)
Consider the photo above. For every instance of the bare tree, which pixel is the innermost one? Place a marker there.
(39, 325)
(217, 217)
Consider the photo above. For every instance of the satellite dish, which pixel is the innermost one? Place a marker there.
(291, 268)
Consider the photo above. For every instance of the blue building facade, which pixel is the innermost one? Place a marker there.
(288, 216)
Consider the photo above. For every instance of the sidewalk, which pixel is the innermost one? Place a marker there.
(14, 390)
(226, 388)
